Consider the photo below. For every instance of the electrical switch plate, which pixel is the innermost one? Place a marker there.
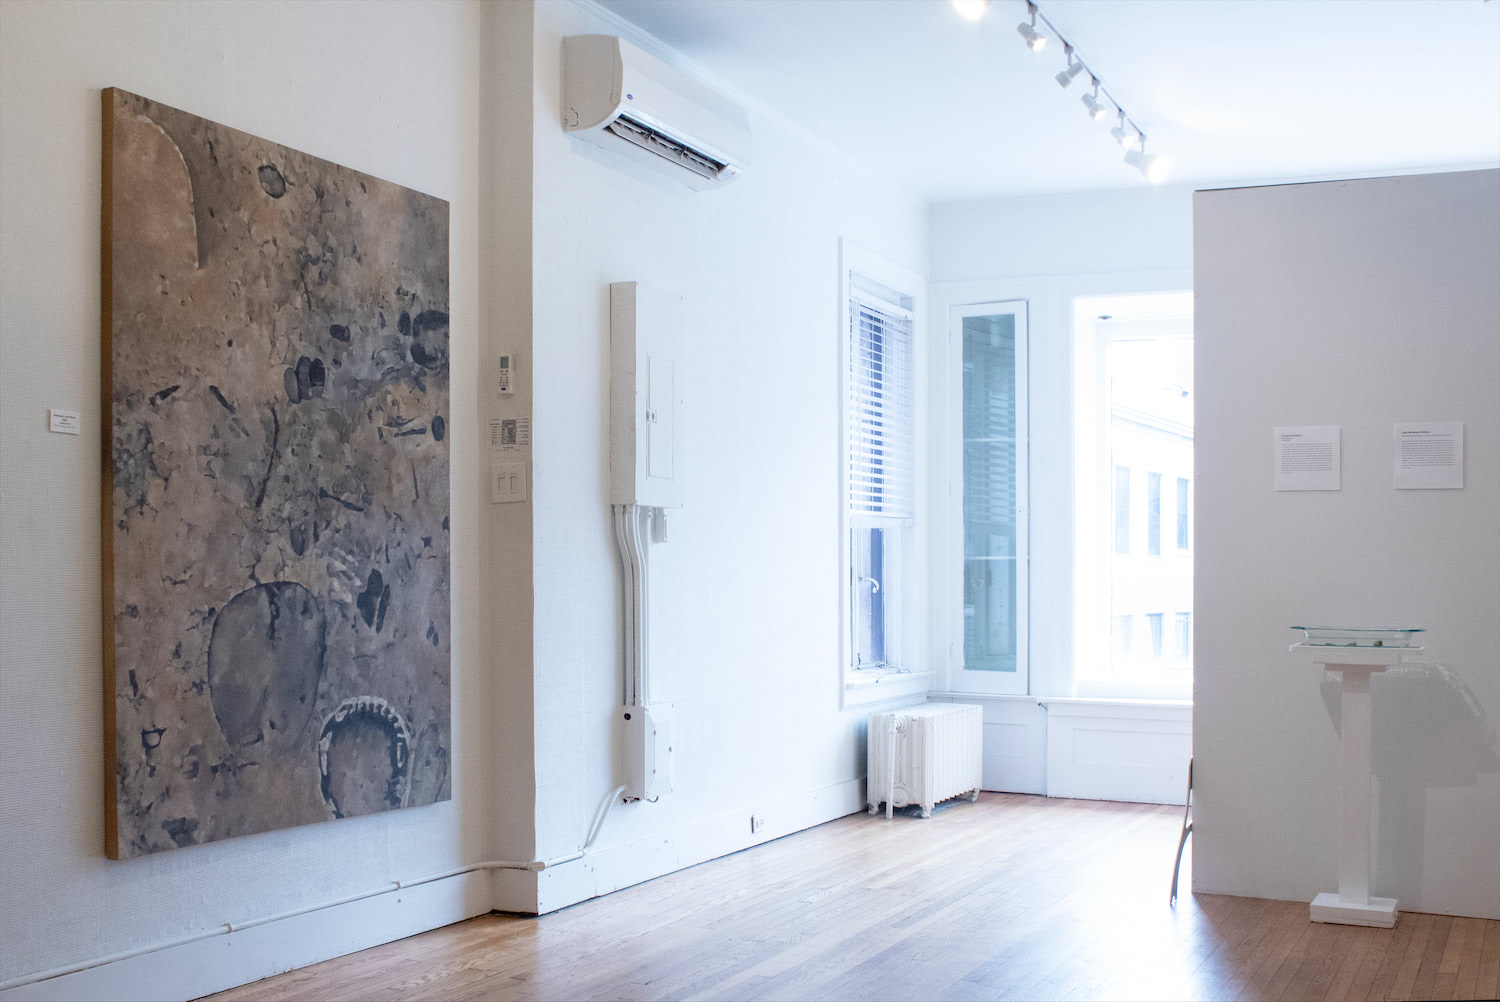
(757, 823)
(507, 481)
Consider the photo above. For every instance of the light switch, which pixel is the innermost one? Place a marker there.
(507, 481)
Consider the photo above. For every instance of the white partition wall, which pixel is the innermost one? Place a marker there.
(1360, 304)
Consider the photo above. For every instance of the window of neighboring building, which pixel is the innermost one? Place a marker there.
(1182, 513)
(1153, 624)
(1122, 509)
(1120, 636)
(1153, 514)
(1183, 648)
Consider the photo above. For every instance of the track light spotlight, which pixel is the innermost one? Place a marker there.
(1035, 40)
(1127, 138)
(1099, 104)
(1074, 68)
(1098, 110)
(971, 10)
(1153, 165)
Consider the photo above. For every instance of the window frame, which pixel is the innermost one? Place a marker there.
(908, 670)
(962, 679)
(1094, 673)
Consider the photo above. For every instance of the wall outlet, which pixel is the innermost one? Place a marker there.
(757, 823)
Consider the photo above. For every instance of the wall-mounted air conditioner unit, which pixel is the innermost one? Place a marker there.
(627, 100)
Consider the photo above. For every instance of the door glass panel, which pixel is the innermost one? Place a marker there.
(990, 492)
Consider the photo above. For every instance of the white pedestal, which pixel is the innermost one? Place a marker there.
(1380, 912)
(1353, 905)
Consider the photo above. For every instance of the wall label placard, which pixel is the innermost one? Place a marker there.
(1307, 458)
(1428, 456)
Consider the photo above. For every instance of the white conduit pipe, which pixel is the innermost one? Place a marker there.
(631, 526)
(534, 865)
(628, 573)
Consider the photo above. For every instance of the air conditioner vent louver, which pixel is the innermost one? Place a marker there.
(664, 146)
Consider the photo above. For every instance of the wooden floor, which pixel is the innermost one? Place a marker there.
(1012, 897)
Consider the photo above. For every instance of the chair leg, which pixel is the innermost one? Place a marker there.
(1187, 829)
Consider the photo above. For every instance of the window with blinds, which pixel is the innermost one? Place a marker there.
(879, 410)
(882, 462)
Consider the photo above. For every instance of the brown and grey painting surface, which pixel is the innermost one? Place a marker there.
(279, 354)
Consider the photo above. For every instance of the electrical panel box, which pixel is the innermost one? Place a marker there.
(648, 751)
(645, 335)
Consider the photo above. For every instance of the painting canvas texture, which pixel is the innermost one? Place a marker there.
(276, 536)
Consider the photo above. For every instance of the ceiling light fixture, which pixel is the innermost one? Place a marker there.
(1073, 68)
(1153, 165)
(971, 10)
(1035, 40)
(1130, 136)
(1098, 110)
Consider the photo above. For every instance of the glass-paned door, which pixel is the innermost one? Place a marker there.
(990, 342)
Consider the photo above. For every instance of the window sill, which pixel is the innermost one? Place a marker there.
(1160, 710)
(863, 688)
(1163, 686)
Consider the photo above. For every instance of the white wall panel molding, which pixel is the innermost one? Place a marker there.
(1118, 750)
(193, 969)
(1015, 740)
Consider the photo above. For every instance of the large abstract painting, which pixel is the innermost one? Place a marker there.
(276, 539)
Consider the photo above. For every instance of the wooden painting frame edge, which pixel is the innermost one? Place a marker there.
(106, 466)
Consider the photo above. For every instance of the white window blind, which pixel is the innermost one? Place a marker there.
(882, 462)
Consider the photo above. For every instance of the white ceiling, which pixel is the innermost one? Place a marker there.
(1233, 90)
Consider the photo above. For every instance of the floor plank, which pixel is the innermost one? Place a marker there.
(1012, 897)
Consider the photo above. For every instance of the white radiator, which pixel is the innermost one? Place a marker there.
(924, 754)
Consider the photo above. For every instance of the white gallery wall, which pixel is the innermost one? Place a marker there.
(437, 97)
(1358, 304)
(394, 95)
(746, 589)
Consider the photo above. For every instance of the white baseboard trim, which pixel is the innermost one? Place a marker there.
(609, 869)
(191, 970)
(213, 962)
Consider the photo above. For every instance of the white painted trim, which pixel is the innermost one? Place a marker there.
(1131, 750)
(959, 696)
(224, 959)
(1014, 755)
(861, 693)
(1132, 709)
(1030, 744)
(238, 953)
(606, 870)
